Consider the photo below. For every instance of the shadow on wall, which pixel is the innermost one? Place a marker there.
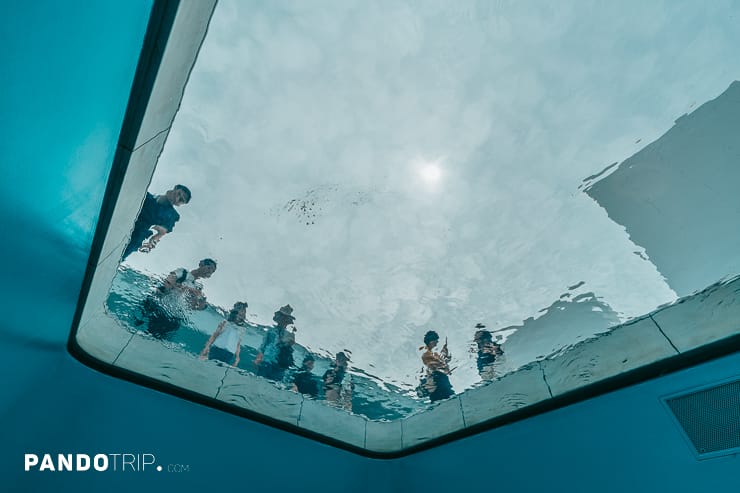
(677, 197)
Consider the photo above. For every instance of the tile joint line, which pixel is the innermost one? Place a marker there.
(136, 148)
(123, 348)
(401, 425)
(222, 383)
(300, 412)
(462, 413)
(544, 378)
(664, 335)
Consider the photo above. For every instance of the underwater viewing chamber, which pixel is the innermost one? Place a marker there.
(577, 347)
(618, 116)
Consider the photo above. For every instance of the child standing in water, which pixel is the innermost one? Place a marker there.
(226, 342)
(338, 383)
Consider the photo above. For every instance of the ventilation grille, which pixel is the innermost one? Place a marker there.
(710, 418)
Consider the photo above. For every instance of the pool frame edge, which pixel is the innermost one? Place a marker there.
(157, 57)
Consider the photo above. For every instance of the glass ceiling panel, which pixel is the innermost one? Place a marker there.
(544, 172)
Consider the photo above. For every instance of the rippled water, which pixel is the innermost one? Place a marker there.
(372, 397)
(380, 400)
(569, 320)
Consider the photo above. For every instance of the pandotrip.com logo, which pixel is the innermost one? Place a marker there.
(119, 462)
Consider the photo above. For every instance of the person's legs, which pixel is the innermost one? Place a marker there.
(221, 354)
(161, 324)
(163, 327)
(487, 372)
(443, 387)
(263, 370)
(271, 371)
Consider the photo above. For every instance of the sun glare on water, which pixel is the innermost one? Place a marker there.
(430, 172)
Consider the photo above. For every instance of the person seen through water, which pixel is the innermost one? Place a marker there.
(338, 383)
(157, 214)
(488, 351)
(225, 343)
(437, 378)
(304, 381)
(187, 284)
(276, 352)
(180, 291)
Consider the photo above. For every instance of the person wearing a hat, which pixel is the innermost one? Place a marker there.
(488, 351)
(338, 383)
(304, 381)
(437, 380)
(276, 352)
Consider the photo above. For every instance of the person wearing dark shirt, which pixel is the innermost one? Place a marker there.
(338, 383)
(488, 351)
(158, 214)
(304, 380)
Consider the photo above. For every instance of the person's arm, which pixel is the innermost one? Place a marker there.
(216, 333)
(498, 349)
(261, 351)
(197, 299)
(238, 350)
(293, 380)
(347, 393)
(433, 361)
(445, 353)
(171, 280)
(159, 232)
(492, 348)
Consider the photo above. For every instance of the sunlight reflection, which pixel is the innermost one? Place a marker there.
(430, 172)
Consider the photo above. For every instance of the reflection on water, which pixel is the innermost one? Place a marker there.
(656, 203)
(132, 300)
(183, 321)
(333, 379)
(677, 197)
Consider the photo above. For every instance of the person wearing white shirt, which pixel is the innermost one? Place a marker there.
(226, 342)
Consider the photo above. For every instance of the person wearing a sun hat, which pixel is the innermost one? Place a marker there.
(276, 352)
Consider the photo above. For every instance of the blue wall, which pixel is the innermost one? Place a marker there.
(64, 84)
(67, 69)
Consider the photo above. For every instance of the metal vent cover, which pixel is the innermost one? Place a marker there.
(709, 418)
